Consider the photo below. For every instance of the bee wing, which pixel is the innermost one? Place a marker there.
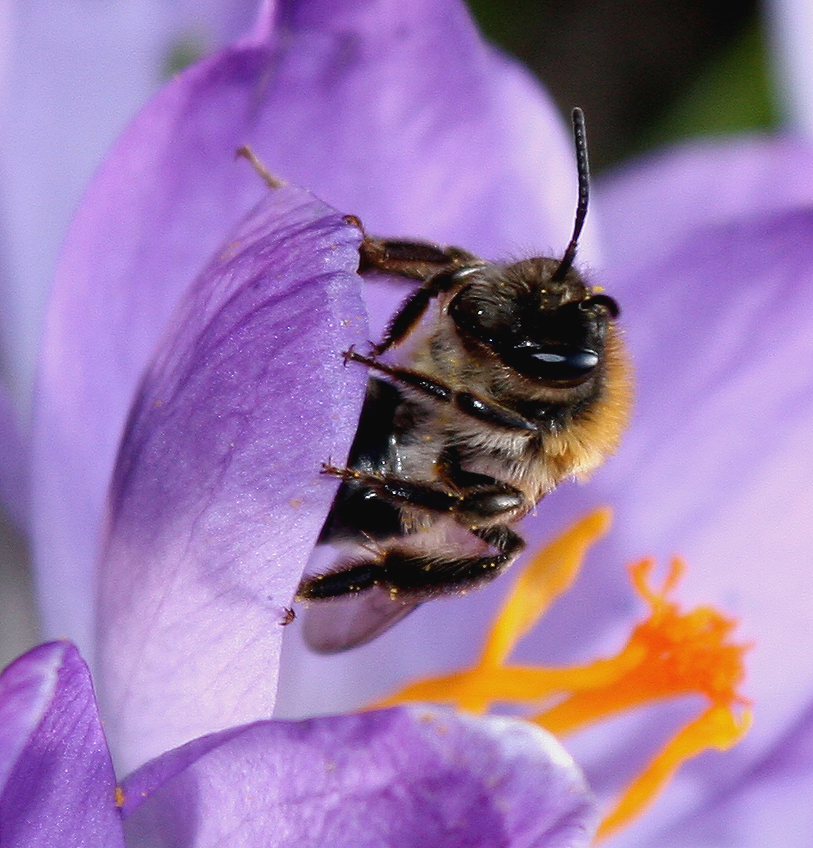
(343, 623)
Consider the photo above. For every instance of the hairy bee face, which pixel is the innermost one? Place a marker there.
(551, 331)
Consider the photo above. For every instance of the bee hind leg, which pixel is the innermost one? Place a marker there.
(425, 575)
(335, 584)
(413, 577)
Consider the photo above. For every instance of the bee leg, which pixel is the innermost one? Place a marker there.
(449, 468)
(469, 506)
(348, 581)
(412, 309)
(413, 260)
(423, 575)
(397, 490)
(467, 402)
(411, 575)
(430, 264)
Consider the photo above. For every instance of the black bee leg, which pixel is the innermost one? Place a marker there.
(449, 468)
(504, 539)
(430, 264)
(469, 506)
(471, 404)
(414, 260)
(412, 309)
(335, 584)
(398, 490)
(405, 573)
(411, 574)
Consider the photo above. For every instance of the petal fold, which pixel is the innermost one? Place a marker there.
(57, 785)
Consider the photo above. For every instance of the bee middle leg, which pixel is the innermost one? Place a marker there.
(470, 505)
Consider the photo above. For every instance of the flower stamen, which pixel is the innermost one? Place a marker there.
(671, 653)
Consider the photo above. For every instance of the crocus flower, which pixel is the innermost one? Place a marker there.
(170, 292)
(164, 304)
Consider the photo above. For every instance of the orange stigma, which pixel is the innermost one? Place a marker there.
(671, 653)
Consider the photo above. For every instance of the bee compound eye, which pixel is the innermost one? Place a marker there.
(557, 364)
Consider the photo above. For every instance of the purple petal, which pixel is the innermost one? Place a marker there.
(723, 453)
(717, 467)
(52, 139)
(218, 500)
(650, 206)
(14, 483)
(771, 801)
(401, 116)
(57, 785)
(404, 777)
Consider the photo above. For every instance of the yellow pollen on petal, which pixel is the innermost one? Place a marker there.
(671, 653)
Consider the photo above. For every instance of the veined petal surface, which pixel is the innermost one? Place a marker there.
(218, 498)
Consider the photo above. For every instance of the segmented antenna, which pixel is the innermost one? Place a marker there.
(583, 168)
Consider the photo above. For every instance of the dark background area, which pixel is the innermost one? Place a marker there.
(644, 71)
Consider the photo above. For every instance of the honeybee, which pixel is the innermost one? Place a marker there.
(514, 381)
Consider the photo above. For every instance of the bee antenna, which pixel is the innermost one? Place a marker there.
(583, 169)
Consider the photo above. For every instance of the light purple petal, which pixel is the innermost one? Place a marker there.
(404, 778)
(57, 785)
(722, 451)
(218, 500)
(771, 801)
(648, 207)
(396, 113)
(72, 76)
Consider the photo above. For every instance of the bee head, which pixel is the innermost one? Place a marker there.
(538, 316)
(547, 329)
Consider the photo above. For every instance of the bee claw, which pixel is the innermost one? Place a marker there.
(354, 221)
(350, 355)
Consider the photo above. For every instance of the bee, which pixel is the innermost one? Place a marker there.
(514, 381)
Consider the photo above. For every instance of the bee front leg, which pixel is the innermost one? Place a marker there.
(434, 266)
(467, 402)
(413, 260)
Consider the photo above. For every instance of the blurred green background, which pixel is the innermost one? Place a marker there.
(644, 71)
